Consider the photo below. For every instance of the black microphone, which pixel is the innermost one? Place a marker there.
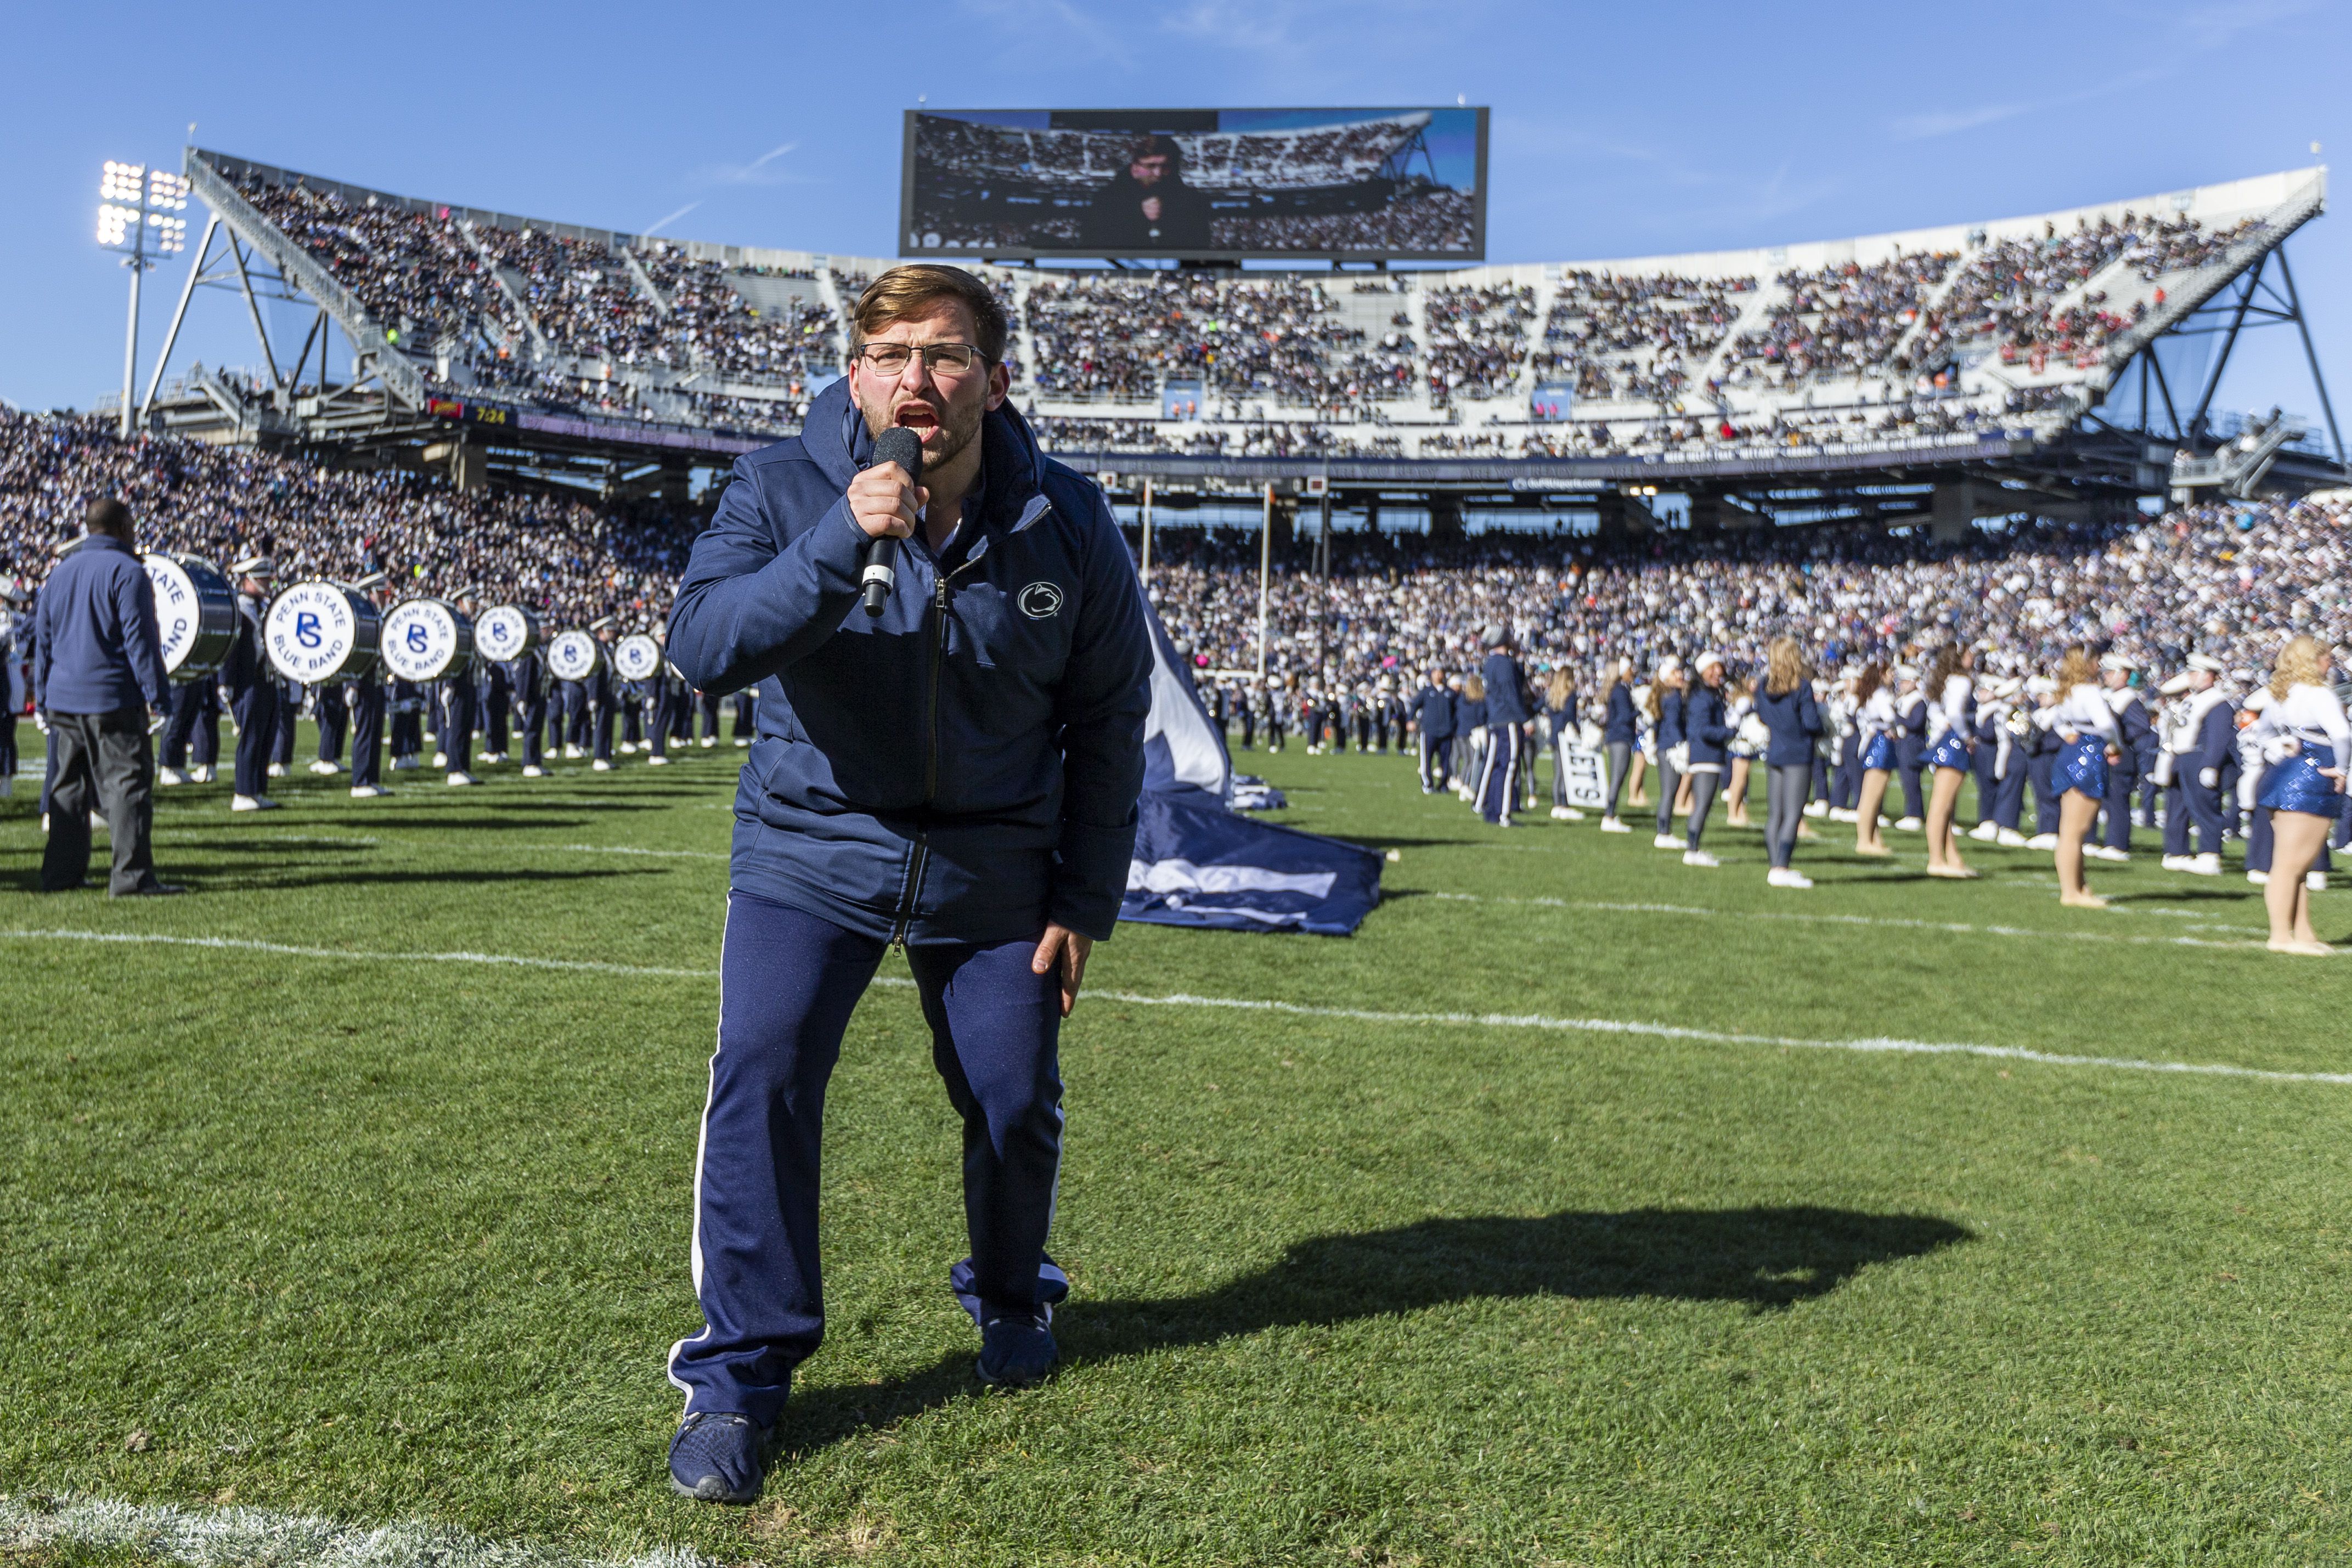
(903, 446)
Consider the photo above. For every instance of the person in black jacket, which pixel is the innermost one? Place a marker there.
(1432, 724)
(1507, 720)
(1706, 734)
(1786, 704)
(1148, 207)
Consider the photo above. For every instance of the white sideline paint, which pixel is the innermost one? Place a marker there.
(235, 1537)
(356, 955)
(1878, 1045)
(1952, 927)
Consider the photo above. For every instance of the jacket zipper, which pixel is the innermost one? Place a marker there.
(938, 619)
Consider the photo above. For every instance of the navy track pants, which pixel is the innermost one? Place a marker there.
(788, 983)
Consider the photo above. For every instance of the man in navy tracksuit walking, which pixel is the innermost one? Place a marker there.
(958, 775)
(1506, 719)
(1432, 720)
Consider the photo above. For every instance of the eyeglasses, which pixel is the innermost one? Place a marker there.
(938, 358)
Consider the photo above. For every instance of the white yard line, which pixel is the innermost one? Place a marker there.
(1957, 928)
(356, 955)
(235, 1537)
(1536, 1021)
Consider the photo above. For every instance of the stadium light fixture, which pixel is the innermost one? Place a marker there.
(136, 217)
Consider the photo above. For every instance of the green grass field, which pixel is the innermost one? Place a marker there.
(347, 1227)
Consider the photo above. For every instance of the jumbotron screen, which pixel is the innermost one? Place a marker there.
(1304, 184)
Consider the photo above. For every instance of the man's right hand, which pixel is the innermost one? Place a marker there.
(883, 502)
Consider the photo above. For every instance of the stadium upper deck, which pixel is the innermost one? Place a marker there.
(1996, 336)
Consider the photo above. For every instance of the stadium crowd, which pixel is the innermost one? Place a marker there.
(1269, 347)
(567, 560)
(2228, 581)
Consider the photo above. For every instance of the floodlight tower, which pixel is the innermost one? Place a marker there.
(134, 219)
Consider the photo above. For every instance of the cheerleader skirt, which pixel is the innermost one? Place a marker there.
(1879, 753)
(2082, 766)
(2293, 783)
(1951, 752)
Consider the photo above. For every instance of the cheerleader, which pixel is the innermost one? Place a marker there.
(1874, 749)
(1950, 687)
(2084, 723)
(1791, 715)
(1560, 721)
(1667, 701)
(1470, 725)
(1747, 741)
(1645, 741)
(1707, 731)
(2307, 743)
(1619, 725)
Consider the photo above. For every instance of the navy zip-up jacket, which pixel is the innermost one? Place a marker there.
(1794, 718)
(964, 768)
(96, 646)
(1619, 724)
(1507, 690)
(1704, 712)
(1434, 710)
(1670, 720)
(1469, 713)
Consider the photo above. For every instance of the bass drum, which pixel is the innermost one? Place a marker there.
(506, 632)
(320, 633)
(574, 656)
(637, 658)
(195, 611)
(426, 639)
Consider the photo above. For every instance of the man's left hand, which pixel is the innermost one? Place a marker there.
(1063, 948)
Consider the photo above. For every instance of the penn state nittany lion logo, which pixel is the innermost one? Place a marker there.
(1040, 601)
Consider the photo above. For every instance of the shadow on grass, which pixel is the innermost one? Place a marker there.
(1767, 1259)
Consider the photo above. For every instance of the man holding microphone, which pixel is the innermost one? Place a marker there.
(952, 767)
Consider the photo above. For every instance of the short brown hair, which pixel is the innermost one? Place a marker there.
(904, 292)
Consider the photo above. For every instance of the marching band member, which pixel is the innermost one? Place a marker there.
(1507, 715)
(1985, 754)
(1910, 732)
(1846, 744)
(1791, 715)
(457, 717)
(2133, 730)
(1950, 688)
(1619, 724)
(2012, 734)
(365, 699)
(289, 716)
(2308, 744)
(1874, 720)
(1667, 702)
(12, 695)
(2200, 730)
(334, 718)
(602, 692)
(1433, 730)
(2042, 747)
(2083, 723)
(525, 677)
(1277, 713)
(1708, 731)
(252, 693)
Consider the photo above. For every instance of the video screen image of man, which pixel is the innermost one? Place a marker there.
(1147, 205)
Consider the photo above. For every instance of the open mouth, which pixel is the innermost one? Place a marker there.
(920, 417)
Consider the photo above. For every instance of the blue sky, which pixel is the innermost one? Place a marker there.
(1617, 129)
